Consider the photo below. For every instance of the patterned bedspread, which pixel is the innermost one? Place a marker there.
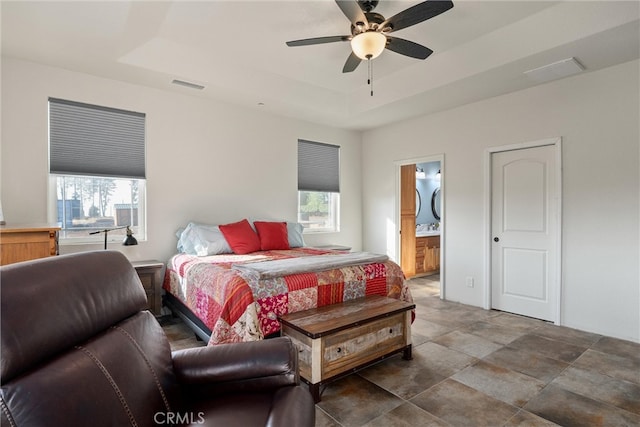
(241, 307)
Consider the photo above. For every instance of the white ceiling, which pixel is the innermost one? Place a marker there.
(237, 50)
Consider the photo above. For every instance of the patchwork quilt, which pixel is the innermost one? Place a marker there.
(238, 305)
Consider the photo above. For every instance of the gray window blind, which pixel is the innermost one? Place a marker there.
(318, 167)
(91, 140)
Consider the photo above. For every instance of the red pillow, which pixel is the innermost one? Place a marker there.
(273, 235)
(241, 237)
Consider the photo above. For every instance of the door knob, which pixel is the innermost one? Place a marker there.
(495, 239)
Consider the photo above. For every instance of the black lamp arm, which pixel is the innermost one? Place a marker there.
(106, 232)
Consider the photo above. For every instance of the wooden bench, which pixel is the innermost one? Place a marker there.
(337, 340)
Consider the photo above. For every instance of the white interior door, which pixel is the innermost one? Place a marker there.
(524, 207)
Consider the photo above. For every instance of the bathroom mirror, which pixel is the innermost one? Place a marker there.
(435, 203)
(418, 202)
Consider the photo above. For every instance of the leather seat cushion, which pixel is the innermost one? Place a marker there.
(231, 410)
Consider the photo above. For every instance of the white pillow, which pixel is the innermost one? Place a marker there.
(202, 240)
(294, 232)
(185, 241)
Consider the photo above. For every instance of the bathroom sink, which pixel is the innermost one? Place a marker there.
(425, 233)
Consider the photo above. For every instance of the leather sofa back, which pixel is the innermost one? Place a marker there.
(51, 304)
(74, 339)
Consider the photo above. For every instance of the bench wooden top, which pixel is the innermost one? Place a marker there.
(328, 319)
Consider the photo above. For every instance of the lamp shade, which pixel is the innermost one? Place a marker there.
(129, 240)
(368, 45)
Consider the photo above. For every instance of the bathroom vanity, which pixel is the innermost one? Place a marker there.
(427, 252)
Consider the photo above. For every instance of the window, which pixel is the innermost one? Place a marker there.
(97, 171)
(318, 186)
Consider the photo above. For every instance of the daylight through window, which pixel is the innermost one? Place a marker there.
(318, 186)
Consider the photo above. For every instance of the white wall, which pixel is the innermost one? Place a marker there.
(206, 161)
(199, 154)
(597, 116)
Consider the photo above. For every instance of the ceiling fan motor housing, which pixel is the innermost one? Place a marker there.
(367, 5)
(374, 19)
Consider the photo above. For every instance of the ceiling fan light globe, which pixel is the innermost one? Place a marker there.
(368, 45)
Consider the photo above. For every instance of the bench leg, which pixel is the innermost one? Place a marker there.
(406, 353)
(315, 392)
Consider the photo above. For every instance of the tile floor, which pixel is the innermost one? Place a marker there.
(473, 367)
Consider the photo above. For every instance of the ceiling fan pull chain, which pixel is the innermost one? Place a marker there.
(371, 75)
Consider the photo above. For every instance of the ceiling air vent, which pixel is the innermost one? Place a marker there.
(187, 84)
(557, 70)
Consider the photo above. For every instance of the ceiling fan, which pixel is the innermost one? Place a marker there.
(370, 30)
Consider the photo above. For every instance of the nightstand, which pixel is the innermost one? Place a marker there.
(333, 247)
(150, 273)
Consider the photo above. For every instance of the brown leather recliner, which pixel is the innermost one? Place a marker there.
(78, 349)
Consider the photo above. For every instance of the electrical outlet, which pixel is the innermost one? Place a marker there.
(469, 281)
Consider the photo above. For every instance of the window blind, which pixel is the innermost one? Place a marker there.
(318, 167)
(92, 140)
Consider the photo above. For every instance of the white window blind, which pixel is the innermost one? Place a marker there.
(318, 167)
(92, 140)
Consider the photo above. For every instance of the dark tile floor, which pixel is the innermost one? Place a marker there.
(473, 367)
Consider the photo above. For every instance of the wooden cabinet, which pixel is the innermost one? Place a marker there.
(427, 254)
(408, 219)
(151, 275)
(432, 255)
(421, 249)
(27, 242)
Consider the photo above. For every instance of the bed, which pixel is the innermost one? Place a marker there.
(235, 297)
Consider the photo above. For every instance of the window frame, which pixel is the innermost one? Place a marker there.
(319, 172)
(334, 214)
(88, 141)
(139, 230)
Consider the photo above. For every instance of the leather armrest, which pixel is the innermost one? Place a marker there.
(251, 366)
(292, 406)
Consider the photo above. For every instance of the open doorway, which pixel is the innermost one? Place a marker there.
(421, 225)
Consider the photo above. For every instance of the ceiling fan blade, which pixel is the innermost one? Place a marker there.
(352, 11)
(408, 48)
(352, 63)
(416, 14)
(319, 40)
